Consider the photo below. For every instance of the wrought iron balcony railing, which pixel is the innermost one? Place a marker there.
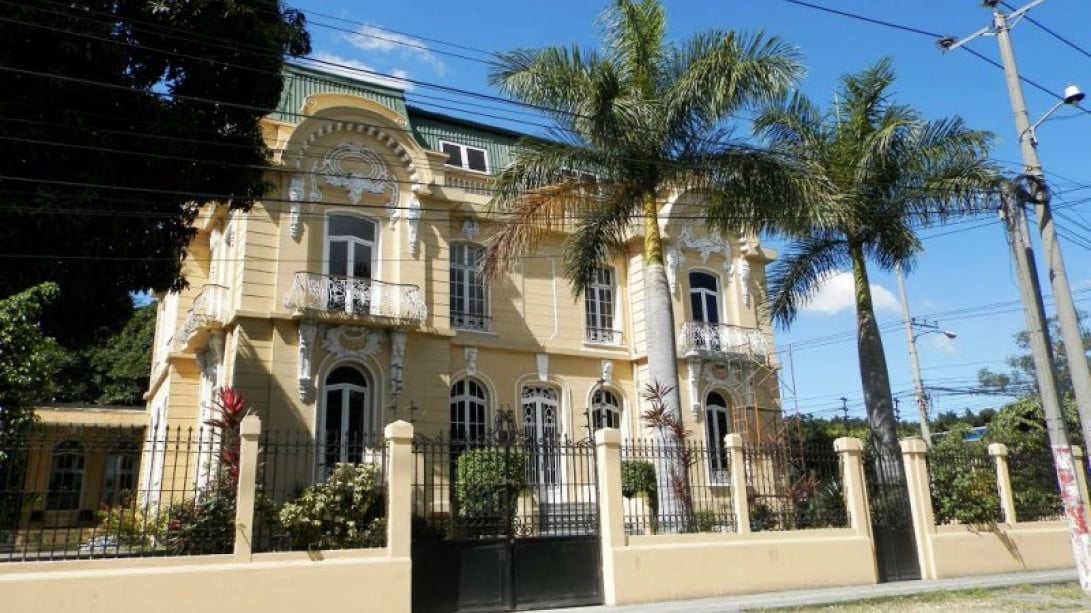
(209, 307)
(603, 336)
(722, 340)
(471, 321)
(355, 297)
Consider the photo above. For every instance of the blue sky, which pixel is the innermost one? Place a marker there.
(964, 279)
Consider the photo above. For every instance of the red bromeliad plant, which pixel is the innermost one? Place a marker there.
(231, 409)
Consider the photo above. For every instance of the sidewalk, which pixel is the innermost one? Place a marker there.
(831, 595)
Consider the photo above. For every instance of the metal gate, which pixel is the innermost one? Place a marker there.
(891, 516)
(505, 520)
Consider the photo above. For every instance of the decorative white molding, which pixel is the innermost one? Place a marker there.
(744, 280)
(397, 359)
(307, 331)
(470, 353)
(722, 375)
(695, 236)
(607, 371)
(543, 366)
(367, 174)
(295, 208)
(229, 238)
(412, 219)
(693, 374)
(674, 265)
(352, 342)
(470, 229)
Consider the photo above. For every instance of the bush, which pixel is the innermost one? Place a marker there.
(962, 480)
(202, 526)
(638, 477)
(130, 523)
(825, 506)
(488, 483)
(343, 512)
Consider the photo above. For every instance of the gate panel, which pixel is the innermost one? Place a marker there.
(891, 517)
(493, 531)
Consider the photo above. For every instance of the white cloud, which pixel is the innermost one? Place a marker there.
(371, 38)
(837, 293)
(940, 342)
(358, 70)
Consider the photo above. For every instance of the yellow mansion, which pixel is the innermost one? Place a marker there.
(352, 297)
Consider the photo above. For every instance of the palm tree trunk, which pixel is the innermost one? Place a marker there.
(662, 367)
(873, 372)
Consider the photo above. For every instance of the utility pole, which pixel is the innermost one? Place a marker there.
(845, 414)
(914, 363)
(1062, 295)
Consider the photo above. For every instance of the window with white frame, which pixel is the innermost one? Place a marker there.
(469, 295)
(599, 305)
(350, 243)
(605, 410)
(469, 405)
(65, 477)
(716, 428)
(345, 420)
(465, 156)
(704, 300)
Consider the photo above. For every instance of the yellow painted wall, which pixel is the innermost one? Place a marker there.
(962, 551)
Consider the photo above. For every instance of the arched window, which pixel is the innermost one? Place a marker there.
(350, 242)
(119, 479)
(716, 428)
(541, 426)
(605, 410)
(469, 407)
(65, 477)
(345, 420)
(469, 295)
(704, 297)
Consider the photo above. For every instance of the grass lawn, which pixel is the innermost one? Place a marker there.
(1055, 598)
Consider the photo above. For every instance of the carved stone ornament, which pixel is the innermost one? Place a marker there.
(695, 236)
(543, 366)
(722, 375)
(693, 375)
(412, 220)
(607, 371)
(358, 170)
(470, 229)
(352, 342)
(470, 354)
(744, 280)
(397, 360)
(307, 331)
(295, 208)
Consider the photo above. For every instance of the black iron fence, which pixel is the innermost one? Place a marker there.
(697, 497)
(793, 487)
(320, 494)
(504, 484)
(963, 484)
(75, 492)
(1034, 485)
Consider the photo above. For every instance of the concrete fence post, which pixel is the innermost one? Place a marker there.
(611, 511)
(399, 489)
(850, 450)
(740, 503)
(246, 494)
(999, 454)
(915, 462)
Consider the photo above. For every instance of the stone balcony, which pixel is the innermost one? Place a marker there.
(355, 299)
(722, 342)
(208, 312)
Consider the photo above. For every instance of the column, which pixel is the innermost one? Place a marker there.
(399, 489)
(915, 460)
(733, 445)
(249, 431)
(611, 513)
(999, 454)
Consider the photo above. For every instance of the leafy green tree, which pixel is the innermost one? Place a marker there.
(634, 120)
(119, 119)
(114, 369)
(1022, 379)
(24, 382)
(891, 171)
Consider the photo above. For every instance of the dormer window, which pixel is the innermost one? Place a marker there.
(465, 156)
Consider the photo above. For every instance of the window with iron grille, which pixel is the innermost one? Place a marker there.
(606, 411)
(469, 295)
(716, 428)
(598, 302)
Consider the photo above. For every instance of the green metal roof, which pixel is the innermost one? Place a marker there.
(429, 128)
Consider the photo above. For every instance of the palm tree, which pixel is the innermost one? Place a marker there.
(633, 121)
(893, 172)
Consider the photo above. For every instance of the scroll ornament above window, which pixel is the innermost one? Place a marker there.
(358, 170)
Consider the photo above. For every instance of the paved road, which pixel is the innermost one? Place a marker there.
(833, 595)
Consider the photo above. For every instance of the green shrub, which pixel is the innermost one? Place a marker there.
(488, 483)
(705, 520)
(825, 507)
(343, 512)
(962, 480)
(638, 477)
(130, 523)
(202, 526)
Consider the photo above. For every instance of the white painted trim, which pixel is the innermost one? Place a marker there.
(464, 148)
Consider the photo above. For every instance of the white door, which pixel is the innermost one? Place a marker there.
(541, 427)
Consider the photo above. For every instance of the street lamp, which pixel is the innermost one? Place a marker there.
(914, 329)
(1072, 95)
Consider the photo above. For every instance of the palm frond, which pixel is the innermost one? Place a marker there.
(796, 278)
(555, 78)
(635, 37)
(600, 234)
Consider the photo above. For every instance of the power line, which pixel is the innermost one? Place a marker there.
(1052, 33)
